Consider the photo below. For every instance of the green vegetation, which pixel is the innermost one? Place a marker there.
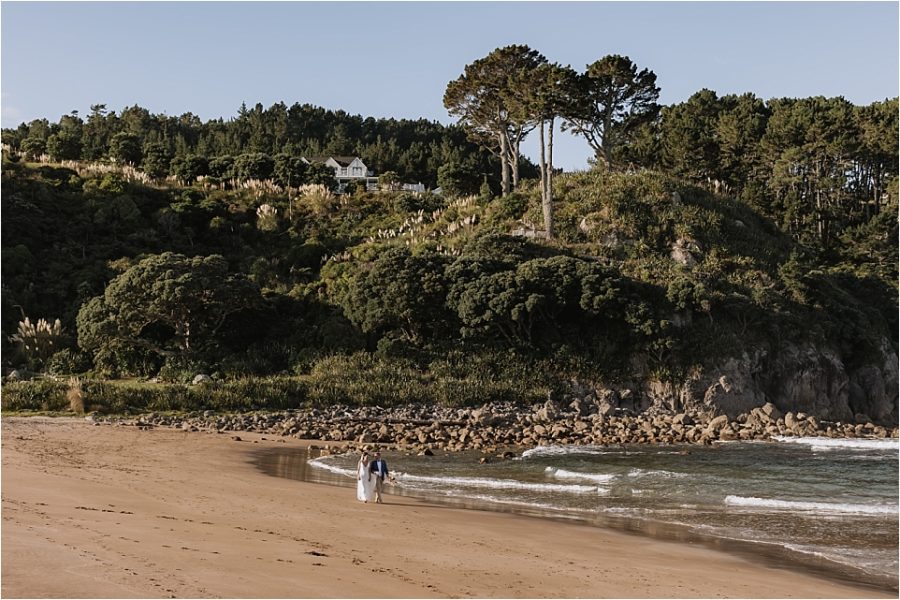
(707, 229)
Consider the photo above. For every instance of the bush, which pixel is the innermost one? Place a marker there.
(68, 362)
(39, 394)
(180, 369)
(273, 393)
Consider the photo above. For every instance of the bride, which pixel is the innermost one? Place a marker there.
(365, 481)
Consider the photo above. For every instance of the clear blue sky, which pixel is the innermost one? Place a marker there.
(395, 59)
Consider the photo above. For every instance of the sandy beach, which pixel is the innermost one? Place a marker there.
(116, 512)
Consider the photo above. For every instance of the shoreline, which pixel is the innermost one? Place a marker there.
(765, 554)
(99, 511)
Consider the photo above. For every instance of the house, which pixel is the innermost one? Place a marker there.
(346, 169)
(413, 187)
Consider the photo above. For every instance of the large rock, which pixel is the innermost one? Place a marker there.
(685, 252)
(546, 413)
(717, 424)
(873, 389)
(734, 388)
(811, 380)
(771, 411)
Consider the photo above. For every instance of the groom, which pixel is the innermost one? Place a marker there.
(379, 468)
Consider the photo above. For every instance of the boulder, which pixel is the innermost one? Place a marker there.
(717, 424)
(201, 378)
(791, 421)
(682, 419)
(484, 416)
(546, 413)
(731, 386)
(685, 252)
(771, 411)
(605, 409)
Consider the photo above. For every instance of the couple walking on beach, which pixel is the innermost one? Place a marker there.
(370, 476)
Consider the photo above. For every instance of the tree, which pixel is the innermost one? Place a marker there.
(97, 132)
(738, 131)
(808, 144)
(688, 137)
(551, 86)
(490, 99)
(222, 167)
(34, 147)
(168, 304)
(321, 174)
(398, 292)
(612, 100)
(156, 160)
(458, 179)
(188, 168)
(878, 157)
(289, 171)
(255, 165)
(125, 148)
(389, 180)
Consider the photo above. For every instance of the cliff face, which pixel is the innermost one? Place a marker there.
(796, 378)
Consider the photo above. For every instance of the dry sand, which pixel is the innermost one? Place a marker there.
(114, 512)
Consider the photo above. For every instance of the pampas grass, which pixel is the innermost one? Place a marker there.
(75, 396)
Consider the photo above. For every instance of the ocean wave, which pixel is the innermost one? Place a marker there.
(824, 443)
(500, 484)
(862, 558)
(320, 463)
(595, 477)
(513, 502)
(769, 503)
(567, 451)
(655, 473)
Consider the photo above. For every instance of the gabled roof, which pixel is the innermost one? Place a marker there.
(344, 161)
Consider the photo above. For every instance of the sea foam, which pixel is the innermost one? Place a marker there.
(568, 451)
(655, 473)
(320, 463)
(564, 474)
(500, 484)
(796, 505)
(824, 443)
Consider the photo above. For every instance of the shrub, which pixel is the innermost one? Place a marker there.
(38, 341)
(39, 394)
(68, 362)
(181, 369)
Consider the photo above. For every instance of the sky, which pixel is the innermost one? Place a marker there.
(395, 59)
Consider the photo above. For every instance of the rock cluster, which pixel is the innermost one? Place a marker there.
(501, 425)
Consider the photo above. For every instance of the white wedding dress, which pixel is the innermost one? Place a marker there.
(365, 485)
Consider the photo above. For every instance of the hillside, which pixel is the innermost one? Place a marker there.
(655, 292)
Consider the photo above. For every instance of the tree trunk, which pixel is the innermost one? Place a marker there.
(543, 167)
(514, 160)
(547, 191)
(504, 164)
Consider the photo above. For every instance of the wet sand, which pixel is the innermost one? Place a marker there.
(115, 512)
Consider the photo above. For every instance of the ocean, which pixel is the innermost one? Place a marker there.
(827, 505)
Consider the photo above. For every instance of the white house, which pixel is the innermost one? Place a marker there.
(346, 169)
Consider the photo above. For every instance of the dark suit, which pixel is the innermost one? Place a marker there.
(379, 469)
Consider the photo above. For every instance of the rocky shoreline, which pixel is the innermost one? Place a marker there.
(496, 427)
